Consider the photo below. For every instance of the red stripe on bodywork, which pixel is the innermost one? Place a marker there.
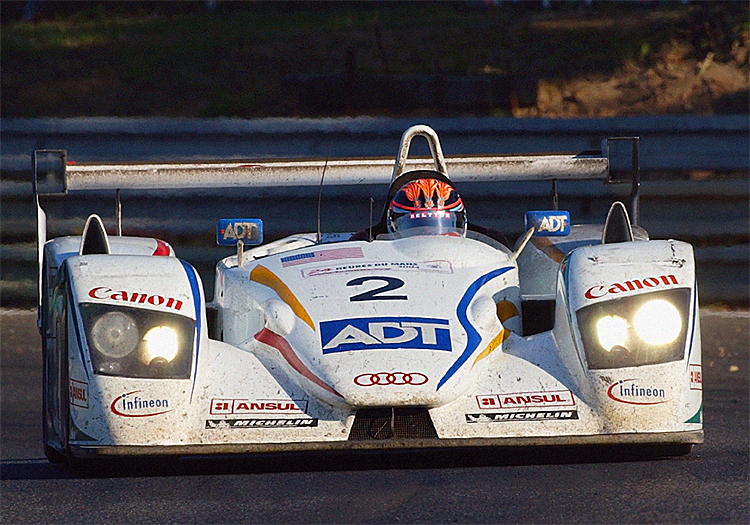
(162, 248)
(279, 343)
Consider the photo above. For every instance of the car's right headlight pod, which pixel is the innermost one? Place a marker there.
(133, 342)
(643, 329)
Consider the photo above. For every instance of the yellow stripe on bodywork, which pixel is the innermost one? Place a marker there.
(497, 341)
(505, 310)
(262, 275)
(548, 248)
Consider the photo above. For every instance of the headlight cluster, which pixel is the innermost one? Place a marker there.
(637, 330)
(131, 342)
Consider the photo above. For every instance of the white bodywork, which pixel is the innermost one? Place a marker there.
(424, 331)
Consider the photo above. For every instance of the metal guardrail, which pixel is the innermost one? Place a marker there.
(670, 142)
(713, 215)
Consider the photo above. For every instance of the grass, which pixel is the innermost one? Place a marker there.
(252, 59)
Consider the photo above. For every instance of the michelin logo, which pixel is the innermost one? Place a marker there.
(548, 223)
(380, 333)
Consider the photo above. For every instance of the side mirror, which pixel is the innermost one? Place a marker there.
(230, 231)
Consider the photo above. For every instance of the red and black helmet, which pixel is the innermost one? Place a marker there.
(426, 206)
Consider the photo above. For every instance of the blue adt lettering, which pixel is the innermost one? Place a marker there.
(381, 333)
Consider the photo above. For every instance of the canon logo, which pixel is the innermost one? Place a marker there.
(104, 292)
(595, 292)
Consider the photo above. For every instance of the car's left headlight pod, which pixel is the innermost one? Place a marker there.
(643, 329)
(132, 342)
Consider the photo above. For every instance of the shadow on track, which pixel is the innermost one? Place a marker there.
(337, 461)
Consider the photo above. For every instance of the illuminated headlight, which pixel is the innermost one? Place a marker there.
(636, 330)
(658, 322)
(161, 343)
(612, 332)
(131, 342)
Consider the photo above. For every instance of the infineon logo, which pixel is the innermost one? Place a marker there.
(632, 392)
(379, 333)
(131, 404)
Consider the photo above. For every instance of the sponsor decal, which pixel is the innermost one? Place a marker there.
(132, 405)
(522, 416)
(259, 406)
(79, 393)
(391, 378)
(321, 256)
(429, 266)
(548, 223)
(628, 391)
(379, 333)
(229, 231)
(595, 292)
(554, 398)
(696, 377)
(104, 292)
(262, 423)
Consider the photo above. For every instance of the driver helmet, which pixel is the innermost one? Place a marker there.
(426, 206)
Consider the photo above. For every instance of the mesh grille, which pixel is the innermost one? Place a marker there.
(392, 422)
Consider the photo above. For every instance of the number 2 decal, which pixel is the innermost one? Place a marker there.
(377, 294)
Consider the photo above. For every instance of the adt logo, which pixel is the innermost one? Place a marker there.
(548, 223)
(379, 333)
(229, 231)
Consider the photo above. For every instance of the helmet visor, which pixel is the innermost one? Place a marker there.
(428, 222)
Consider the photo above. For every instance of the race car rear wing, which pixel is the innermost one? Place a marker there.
(617, 162)
(54, 175)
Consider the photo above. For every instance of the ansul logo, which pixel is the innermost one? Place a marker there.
(595, 292)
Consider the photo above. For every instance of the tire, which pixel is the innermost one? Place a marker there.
(55, 456)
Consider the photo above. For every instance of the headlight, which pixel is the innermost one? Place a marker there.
(114, 334)
(161, 343)
(658, 322)
(637, 330)
(612, 331)
(130, 342)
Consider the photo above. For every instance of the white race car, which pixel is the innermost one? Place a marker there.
(421, 330)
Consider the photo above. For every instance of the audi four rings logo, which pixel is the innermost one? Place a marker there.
(391, 378)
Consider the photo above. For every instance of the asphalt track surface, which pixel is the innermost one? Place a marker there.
(710, 485)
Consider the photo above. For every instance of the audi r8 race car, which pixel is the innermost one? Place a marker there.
(422, 330)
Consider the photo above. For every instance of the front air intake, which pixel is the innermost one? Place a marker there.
(392, 423)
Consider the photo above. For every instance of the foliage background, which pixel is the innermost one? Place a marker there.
(312, 59)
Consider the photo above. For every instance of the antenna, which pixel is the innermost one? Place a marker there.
(118, 212)
(320, 191)
(372, 201)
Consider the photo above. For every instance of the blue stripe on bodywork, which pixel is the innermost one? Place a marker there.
(472, 335)
(195, 288)
(695, 314)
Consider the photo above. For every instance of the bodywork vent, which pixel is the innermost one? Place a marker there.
(392, 423)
